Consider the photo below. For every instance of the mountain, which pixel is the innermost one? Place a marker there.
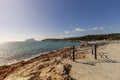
(30, 40)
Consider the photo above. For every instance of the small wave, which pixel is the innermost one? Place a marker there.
(15, 52)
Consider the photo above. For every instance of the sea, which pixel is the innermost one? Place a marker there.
(12, 52)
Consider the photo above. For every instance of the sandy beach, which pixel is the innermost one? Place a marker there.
(106, 67)
(58, 65)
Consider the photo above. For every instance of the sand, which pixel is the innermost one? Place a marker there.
(106, 67)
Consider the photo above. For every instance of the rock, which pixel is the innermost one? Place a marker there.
(51, 66)
(85, 44)
(49, 78)
(30, 40)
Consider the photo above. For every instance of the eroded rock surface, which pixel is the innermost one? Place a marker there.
(51, 66)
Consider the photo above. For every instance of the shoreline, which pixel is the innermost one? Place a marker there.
(54, 65)
(58, 55)
(32, 57)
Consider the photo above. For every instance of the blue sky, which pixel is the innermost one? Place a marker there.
(22, 19)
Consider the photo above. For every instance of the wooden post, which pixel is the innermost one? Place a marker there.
(73, 53)
(95, 48)
(92, 49)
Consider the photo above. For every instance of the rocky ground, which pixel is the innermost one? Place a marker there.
(50, 66)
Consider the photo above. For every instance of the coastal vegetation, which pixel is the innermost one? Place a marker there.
(112, 36)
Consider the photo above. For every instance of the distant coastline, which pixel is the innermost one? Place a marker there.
(112, 36)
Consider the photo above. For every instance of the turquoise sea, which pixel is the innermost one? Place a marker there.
(12, 52)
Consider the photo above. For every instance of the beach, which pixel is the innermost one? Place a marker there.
(58, 65)
(59, 39)
(106, 67)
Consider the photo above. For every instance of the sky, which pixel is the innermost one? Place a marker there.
(40, 19)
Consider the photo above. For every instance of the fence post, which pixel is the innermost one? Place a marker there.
(73, 53)
(92, 49)
(95, 48)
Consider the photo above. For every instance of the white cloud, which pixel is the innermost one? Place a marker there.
(80, 30)
(96, 28)
(66, 32)
(89, 29)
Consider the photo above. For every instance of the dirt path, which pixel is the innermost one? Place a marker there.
(107, 67)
